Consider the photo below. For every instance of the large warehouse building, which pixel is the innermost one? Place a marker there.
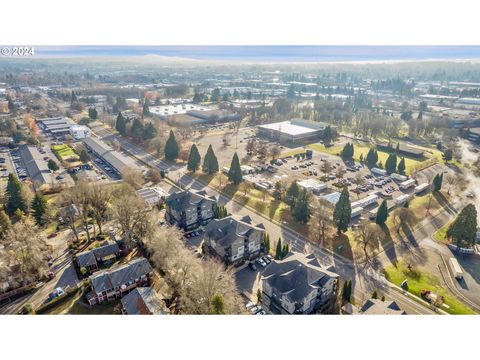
(293, 131)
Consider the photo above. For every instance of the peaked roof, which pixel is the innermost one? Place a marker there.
(227, 230)
(115, 277)
(182, 200)
(379, 307)
(296, 275)
(143, 301)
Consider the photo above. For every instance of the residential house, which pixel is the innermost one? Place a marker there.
(234, 240)
(379, 307)
(190, 209)
(92, 259)
(298, 284)
(114, 283)
(143, 301)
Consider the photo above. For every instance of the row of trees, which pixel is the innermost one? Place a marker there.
(138, 130)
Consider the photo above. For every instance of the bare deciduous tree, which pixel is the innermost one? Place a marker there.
(367, 236)
(320, 224)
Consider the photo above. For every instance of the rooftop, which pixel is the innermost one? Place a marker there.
(295, 127)
(378, 307)
(227, 230)
(143, 301)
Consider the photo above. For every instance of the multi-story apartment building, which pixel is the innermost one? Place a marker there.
(114, 283)
(189, 209)
(234, 240)
(298, 284)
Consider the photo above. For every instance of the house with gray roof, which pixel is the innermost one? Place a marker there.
(379, 307)
(114, 283)
(298, 284)
(143, 301)
(190, 209)
(92, 259)
(234, 240)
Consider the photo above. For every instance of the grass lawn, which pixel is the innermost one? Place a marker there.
(441, 234)
(291, 153)
(362, 149)
(419, 280)
(110, 308)
(63, 151)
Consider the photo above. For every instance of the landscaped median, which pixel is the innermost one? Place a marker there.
(418, 279)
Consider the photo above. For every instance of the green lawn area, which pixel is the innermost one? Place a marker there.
(419, 280)
(110, 308)
(441, 234)
(63, 151)
(362, 149)
(291, 153)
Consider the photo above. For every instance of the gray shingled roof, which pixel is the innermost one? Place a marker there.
(143, 301)
(89, 258)
(115, 277)
(182, 200)
(225, 231)
(379, 307)
(296, 275)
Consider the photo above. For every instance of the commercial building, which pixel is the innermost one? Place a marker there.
(298, 284)
(234, 240)
(56, 127)
(153, 195)
(312, 185)
(36, 166)
(190, 209)
(332, 198)
(293, 131)
(366, 201)
(116, 160)
(191, 114)
(79, 131)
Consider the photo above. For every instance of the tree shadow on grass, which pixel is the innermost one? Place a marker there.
(444, 202)
(340, 244)
(388, 245)
(274, 205)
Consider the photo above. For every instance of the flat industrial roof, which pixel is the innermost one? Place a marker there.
(287, 127)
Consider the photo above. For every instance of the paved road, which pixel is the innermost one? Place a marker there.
(365, 278)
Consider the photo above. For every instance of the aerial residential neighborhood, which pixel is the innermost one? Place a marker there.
(237, 189)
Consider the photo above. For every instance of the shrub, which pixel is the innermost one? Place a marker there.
(27, 309)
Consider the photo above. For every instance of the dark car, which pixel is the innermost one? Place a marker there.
(252, 266)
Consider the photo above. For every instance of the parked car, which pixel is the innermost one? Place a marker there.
(261, 312)
(255, 309)
(266, 260)
(249, 305)
(260, 262)
(56, 293)
(252, 266)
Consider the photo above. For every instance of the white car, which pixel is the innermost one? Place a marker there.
(255, 309)
(249, 305)
(261, 312)
(260, 262)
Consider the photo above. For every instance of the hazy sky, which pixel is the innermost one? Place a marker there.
(269, 53)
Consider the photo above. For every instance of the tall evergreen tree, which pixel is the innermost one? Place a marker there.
(342, 214)
(52, 165)
(292, 194)
(278, 250)
(382, 213)
(171, 147)
(235, 171)
(327, 135)
(136, 130)
(146, 109)
(39, 209)
(401, 166)
(15, 197)
(463, 230)
(301, 212)
(149, 132)
(92, 113)
(391, 163)
(278, 191)
(193, 159)
(372, 157)
(437, 182)
(348, 151)
(121, 124)
(266, 242)
(210, 162)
